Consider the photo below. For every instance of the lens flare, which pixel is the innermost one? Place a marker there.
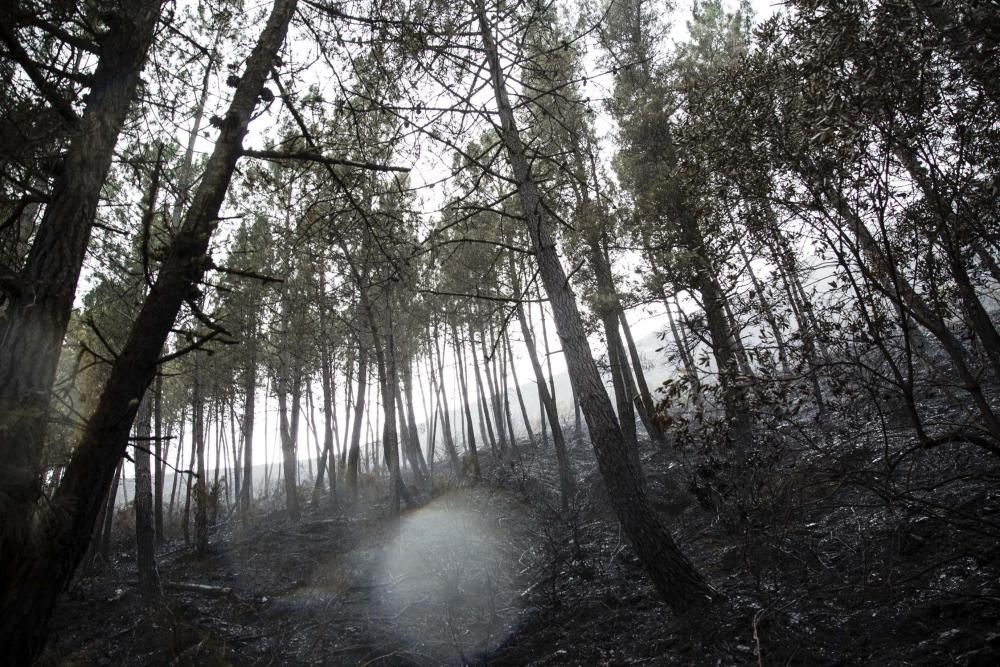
(450, 579)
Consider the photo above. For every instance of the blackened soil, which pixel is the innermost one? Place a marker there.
(879, 557)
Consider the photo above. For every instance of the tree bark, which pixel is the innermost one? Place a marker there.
(145, 533)
(470, 431)
(249, 404)
(672, 573)
(160, 450)
(40, 299)
(517, 390)
(354, 455)
(449, 440)
(35, 576)
(485, 422)
(567, 485)
(198, 437)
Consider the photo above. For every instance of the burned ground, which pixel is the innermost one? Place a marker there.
(837, 560)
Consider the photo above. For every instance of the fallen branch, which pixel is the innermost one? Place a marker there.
(204, 589)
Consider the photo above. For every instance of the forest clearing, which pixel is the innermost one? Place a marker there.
(380, 332)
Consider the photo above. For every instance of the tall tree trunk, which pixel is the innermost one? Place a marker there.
(485, 422)
(289, 419)
(353, 457)
(42, 571)
(517, 390)
(470, 432)
(145, 533)
(249, 405)
(505, 393)
(646, 405)
(220, 447)
(724, 347)
(40, 298)
(567, 485)
(329, 391)
(494, 393)
(348, 402)
(548, 354)
(160, 451)
(605, 307)
(449, 441)
(177, 462)
(384, 357)
(421, 465)
(198, 436)
(672, 573)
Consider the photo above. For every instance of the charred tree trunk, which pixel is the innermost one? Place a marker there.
(43, 571)
(354, 455)
(491, 386)
(160, 451)
(470, 432)
(672, 573)
(485, 421)
(329, 391)
(449, 441)
(418, 462)
(567, 486)
(249, 403)
(40, 296)
(198, 437)
(145, 534)
(645, 405)
(517, 390)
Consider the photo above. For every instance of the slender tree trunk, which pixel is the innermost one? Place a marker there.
(605, 308)
(348, 402)
(724, 348)
(359, 416)
(470, 432)
(646, 404)
(329, 391)
(418, 458)
(567, 485)
(449, 441)
(390, 445)
(548, 355)
(160, 451)
(110, 502)
(289, 419)
(145, 534)
(177, 462)
(494, 393)
(484, 406)
(39, 300)
(26, 604)
(198, 436)
(672, 573)
(517, 390)
(505, 394)
(219, 449)
(249, 405)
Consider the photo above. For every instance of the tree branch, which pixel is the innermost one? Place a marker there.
(309, 156)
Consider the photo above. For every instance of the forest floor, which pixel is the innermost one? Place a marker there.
(827, 562)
